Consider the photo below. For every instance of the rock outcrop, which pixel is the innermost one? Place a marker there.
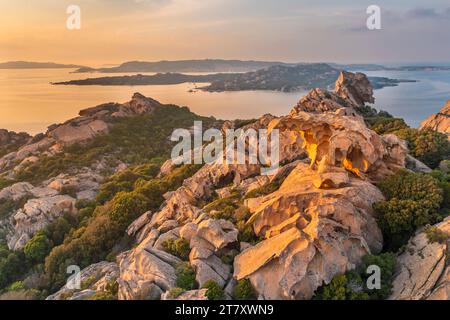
(423, 268)
(146, 273)
(311, 234)
(440, 121)
(351, 91)
(335, 139)
(319, 223)
(12, 140)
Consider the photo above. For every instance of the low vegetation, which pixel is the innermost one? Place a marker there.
(244, 290)
(215, 291)
(430, 147)
(353, 284)
(177, 247)
(412, 200)
(185, 277)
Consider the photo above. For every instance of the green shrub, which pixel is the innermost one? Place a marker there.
(185, 276)
(246, 233)
(412, 200)
(215, 291)
(177, 247)
(430, 147)
(12, 266)
(244, 290)
(127, 206)
(38, 247)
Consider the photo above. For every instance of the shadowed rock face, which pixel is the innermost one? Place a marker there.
(423, 272)
(440, 121)
(355, 87)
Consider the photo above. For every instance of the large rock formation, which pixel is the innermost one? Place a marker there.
(318, 224)
(440, 121)
(311, 233)
(351, 91)
(423, 268)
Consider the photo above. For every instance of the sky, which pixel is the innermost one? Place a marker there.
(114, 31)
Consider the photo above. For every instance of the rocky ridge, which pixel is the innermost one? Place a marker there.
(318, 224)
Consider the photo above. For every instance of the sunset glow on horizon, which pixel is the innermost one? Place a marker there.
(119, 30)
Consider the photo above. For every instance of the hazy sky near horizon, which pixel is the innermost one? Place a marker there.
(114, 31)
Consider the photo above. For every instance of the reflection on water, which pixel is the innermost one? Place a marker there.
(28, 102)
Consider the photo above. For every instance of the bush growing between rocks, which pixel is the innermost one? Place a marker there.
(185, 277)
(412, 200)
(215, 291)
(244, 290)
(177, 247)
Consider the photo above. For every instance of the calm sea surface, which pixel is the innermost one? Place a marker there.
(28, 102)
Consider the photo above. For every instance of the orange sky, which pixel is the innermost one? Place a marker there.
(114, 31)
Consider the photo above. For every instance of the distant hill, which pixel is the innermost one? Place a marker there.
(36, 65)
(206, 65)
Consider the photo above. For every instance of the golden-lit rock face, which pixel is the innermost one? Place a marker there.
(311, 234)
(335, 140)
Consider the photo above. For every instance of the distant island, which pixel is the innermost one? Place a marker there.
(36, 65)
(206, 65)
(275, 78)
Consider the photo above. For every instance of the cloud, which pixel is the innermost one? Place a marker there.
(427, 13)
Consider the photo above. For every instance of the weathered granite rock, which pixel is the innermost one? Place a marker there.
(351, 91)
(423, 270)
(334, 140)
(311, 235)
(93, 279)
(354, 87)
(35, 215)
(145, 274)
(440, 121)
